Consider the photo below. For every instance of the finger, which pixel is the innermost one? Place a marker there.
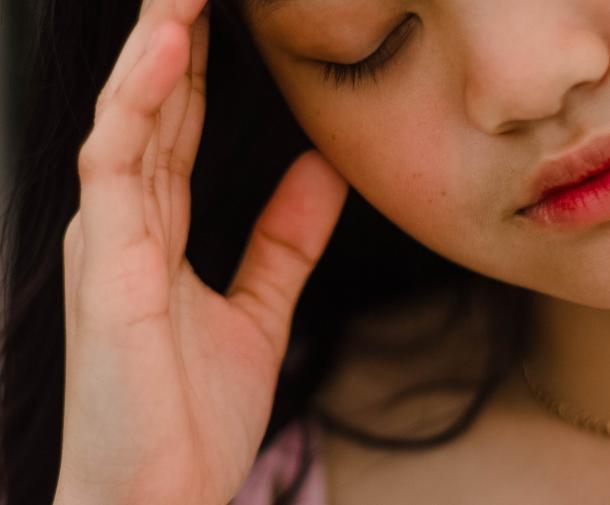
(72, 259)
(181, 11)
(177, 140)
(152, 14)
(286, 243)
(188, 135)
(158, 166)
(110, 160)
(199, 59)
(187, 144)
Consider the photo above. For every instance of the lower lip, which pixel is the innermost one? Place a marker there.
(584, 204)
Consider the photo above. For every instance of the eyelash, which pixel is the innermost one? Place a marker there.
(370, 66)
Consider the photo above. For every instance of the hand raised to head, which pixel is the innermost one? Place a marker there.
(169, 385)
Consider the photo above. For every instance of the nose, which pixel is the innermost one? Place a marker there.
(522, 69)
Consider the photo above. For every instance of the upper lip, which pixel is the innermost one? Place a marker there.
(569, 169)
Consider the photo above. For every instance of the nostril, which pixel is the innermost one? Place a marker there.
(511, 127)
(508, 127)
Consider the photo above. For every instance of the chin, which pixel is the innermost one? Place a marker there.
(576, 271)
(588, 292)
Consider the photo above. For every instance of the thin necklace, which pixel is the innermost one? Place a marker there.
(564, 410)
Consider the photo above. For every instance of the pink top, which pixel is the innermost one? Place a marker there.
(277, 467)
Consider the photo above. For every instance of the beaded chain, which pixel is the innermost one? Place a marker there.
(564, 410)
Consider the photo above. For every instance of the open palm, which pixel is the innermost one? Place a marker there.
(169, 385)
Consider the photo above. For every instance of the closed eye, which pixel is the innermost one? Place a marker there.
(370, 66)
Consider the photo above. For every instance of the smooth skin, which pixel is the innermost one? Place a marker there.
(446, 143)
(169, 385)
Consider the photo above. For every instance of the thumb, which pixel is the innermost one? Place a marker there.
(287, 241)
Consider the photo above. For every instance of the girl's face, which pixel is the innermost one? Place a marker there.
(445, 138)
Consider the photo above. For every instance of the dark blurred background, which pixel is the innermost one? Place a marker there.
(13, 37)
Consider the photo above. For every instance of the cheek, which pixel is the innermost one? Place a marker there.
(399, 156)
(406, 148)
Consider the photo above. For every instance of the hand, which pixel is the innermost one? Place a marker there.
(169, 385)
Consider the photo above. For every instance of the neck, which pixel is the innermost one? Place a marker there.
(570, 355)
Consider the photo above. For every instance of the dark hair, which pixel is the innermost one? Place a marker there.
(249, 139)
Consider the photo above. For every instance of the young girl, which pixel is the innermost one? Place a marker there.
(335, 361)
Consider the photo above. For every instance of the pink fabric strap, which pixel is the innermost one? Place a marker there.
(277, 467)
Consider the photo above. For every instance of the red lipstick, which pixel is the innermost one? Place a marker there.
(573, 190)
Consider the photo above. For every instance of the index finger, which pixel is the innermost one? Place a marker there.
(152, 14)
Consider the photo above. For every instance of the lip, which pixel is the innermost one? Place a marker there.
(573, 188)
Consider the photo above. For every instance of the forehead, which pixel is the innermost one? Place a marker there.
(263, 8)
(311, 25)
